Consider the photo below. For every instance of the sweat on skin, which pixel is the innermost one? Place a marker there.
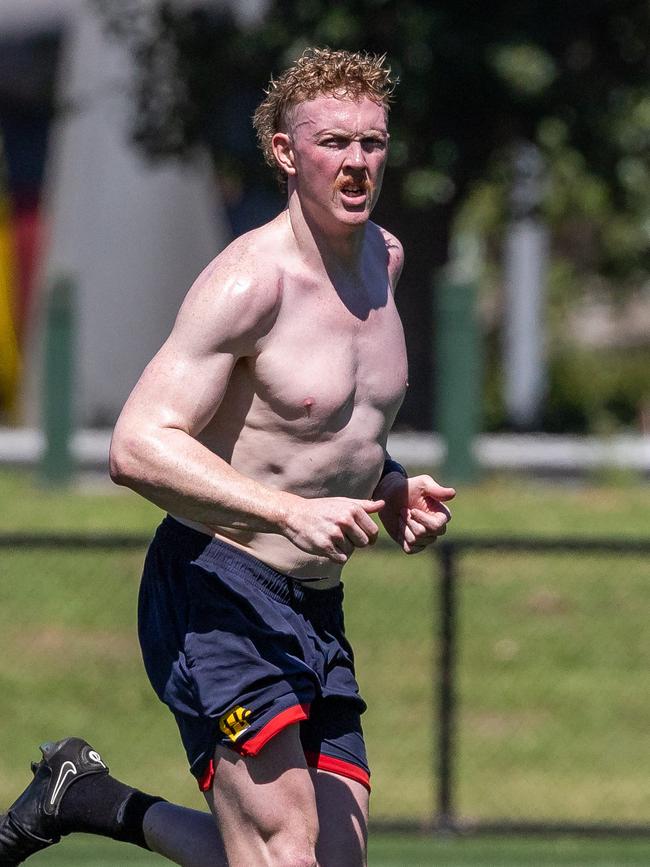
(263, 422)
(264, 417)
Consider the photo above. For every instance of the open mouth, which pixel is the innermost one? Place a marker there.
(354, 193)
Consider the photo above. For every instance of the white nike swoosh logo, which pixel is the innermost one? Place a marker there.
(67, 768)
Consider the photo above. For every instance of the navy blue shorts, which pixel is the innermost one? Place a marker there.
(239, 651)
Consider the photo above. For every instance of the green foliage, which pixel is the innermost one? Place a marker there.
(574, 79)
(526, 68)
(597, 392)
(591, 393)
(474, 81)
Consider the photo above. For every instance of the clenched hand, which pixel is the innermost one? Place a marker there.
(414, 514)
(332, 527)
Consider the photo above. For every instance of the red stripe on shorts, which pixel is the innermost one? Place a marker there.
(286, 717)
(338, 766)
(205, 782)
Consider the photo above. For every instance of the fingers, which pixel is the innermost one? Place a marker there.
(356, 536)
(409, 541)
(333, 526)
(344, 543)
(371, 506)
(355, 529)
(419, 529)
(415, 528)
(430, 488)
(360, 529)
(432, 522)
(342, 549)
(439, 491)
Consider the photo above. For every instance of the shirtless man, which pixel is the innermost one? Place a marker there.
(261, 427)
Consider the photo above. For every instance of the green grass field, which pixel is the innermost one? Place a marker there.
(497, 506)
(398, 851)
(554, 719)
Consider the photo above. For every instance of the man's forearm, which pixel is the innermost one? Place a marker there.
(178, 474)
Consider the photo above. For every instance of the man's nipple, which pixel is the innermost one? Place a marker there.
(308, 403)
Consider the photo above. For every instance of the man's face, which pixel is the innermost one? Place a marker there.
(340, 148)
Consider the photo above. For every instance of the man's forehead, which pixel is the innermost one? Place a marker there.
(333, 112)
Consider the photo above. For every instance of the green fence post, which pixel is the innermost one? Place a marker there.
(459, 367)
(57, 463)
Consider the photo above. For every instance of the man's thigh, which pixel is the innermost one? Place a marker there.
(265, 805)
(342, 806)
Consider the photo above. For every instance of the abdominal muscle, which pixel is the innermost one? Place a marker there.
(303, 467)
(279, 553)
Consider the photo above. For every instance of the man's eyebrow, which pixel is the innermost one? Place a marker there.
(346, 133)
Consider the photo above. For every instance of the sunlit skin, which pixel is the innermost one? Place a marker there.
(335, 156)
(263, 420)
(264, 417)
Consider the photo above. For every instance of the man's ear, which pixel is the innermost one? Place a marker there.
(283, 152)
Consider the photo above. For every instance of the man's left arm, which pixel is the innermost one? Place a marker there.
(415, 514)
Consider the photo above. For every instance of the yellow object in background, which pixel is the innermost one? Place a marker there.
(9, 353)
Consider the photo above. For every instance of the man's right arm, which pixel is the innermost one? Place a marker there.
(155, 451)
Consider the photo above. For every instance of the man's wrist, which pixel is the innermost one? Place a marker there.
(391, 466)
(392, 478)
(286, 505)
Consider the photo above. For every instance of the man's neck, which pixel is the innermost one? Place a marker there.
(342, 250)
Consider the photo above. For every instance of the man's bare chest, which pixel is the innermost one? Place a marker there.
(322, 362)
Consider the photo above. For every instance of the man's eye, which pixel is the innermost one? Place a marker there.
(333, 143)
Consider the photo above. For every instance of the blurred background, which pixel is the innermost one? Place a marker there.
(520, 149)
(519, 184)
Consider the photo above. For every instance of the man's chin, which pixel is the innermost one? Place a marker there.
(357, 215)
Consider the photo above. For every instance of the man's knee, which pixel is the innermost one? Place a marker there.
(288, 850)
(294, 842)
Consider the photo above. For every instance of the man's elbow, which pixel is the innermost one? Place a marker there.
(124, 460)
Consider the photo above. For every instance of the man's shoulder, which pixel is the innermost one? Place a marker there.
(392, 242)
(264, 240)
(250, 268)
(257, 255)
(240, 291)
(394, 253)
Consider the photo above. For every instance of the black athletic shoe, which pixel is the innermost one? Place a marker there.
(32, 822)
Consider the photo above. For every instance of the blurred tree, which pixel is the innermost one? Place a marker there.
(574, 78)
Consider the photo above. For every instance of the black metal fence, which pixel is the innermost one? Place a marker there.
(541, 656)
(460, 563)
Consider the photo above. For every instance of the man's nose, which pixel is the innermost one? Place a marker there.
(355, 156)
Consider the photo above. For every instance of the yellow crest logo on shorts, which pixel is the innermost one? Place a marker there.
(235, 722)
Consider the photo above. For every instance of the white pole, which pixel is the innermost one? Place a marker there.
(525, 257)
(131, 234)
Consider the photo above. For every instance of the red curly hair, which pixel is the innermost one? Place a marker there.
(320, 71)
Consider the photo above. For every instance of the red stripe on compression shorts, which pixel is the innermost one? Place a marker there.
(338, 766)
